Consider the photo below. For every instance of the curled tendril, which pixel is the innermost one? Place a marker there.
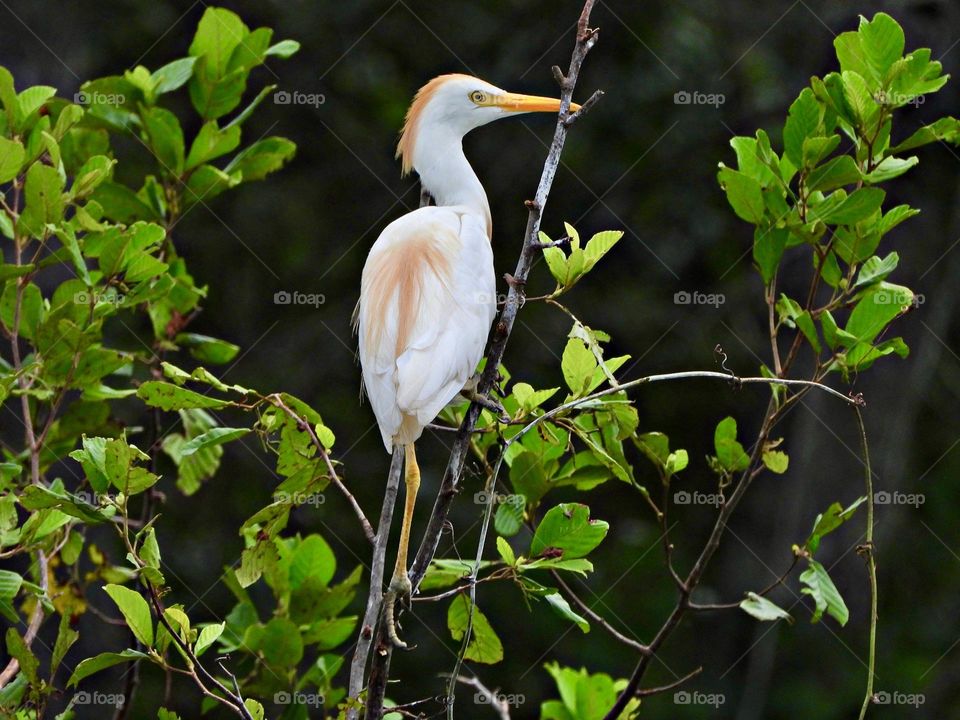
(721, 359)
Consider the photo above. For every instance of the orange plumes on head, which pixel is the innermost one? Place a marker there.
(408, 136)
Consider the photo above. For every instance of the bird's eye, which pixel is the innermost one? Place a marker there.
(478, 97)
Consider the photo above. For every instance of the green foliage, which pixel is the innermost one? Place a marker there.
(584, 696)
(95, 303)
(485, 646)
(820, 195)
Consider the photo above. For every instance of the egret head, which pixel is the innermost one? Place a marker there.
(450, 106)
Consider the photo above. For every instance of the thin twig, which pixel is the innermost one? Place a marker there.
(705, 607)
(867, 550)
(598, 619)
(276, 400)
(647, 692)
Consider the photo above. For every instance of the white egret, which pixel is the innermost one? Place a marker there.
(428, 291)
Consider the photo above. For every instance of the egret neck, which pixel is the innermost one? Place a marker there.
(447, 175)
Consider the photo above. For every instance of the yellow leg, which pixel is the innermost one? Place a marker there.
(400, 588)
(400, 583)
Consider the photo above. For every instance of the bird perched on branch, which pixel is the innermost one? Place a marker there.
(428, 291)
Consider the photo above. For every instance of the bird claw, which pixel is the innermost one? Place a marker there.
(399, 590)
(487, 403)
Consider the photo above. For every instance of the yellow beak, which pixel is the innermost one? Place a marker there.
(531, 103)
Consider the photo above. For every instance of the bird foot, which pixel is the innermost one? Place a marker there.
(398, 590)
(487, 403)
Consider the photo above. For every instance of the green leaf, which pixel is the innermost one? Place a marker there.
(31, 99)
(858, 206)
(563, 609)
(284, 49)
(568, 528)
(836, 172)
(66, 637)
(171, 397)
(8, 97)
(776, 461)
(216, 436)
(882, 42)
(173, 76)
(218, 34)
(43, 190)
(10, 583)
(877, 307)
(509, 518)
(208, 349)
(121, 204)
(730, 453)
(281, 643)
(207, 182)
(825, 595)
(578, 365)
(890, 168)
(598, 246)
(135, 611)
(762, 609)
(830, 520)
(101, 662)
(743, 193)
(484, 646)
(18, 649)
(768, 247)
(212, 142)
(312, 558)
(876, 269)
(165, 139)
(945, 129)
(262, 158)
(506, 552)
(803, 121)
(530, 399)
(12, 156)
(208, 635)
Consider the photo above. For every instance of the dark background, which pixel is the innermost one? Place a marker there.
(640, 163)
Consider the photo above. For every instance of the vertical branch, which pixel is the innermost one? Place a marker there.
(30, 438)
(450, 484)
(867, 550)
(367, 627)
